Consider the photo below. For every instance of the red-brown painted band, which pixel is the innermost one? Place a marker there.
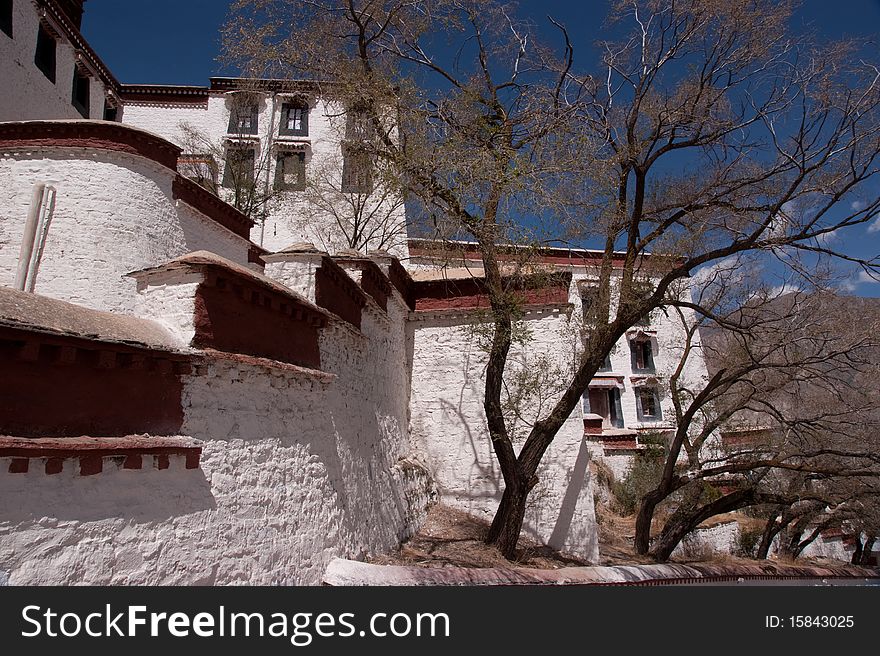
(101, 389)
(235, 314)
(211, 206)
(96, 135)
(338, 293)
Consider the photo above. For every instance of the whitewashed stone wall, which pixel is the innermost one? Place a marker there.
(113, 213)
(290, 218)
(297, 468)
(448, 426)
(28, 93)
(705, 542)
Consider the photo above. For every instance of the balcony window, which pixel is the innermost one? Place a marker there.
(290, 172)
(642, 354)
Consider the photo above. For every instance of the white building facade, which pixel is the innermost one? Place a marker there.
(307, 400)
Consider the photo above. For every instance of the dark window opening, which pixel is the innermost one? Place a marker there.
(648, 404)
(606, 363)
(642, 352)
(239, 170)
(244, 117)
(111, 113)
(589, 298)
(200, 168)
(290, 172)
(358, 124)
(6, 17)
(357, 174)
(44, 57)
(294, 119)
(80, 96)
(605, 402)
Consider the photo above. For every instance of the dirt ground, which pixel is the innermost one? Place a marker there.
(451, 537)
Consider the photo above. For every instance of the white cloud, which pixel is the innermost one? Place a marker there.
(870, 278)
(847, 286)
(874, 227)
(856, 205)
(785, 288)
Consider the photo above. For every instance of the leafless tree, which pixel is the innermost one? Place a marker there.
(790, 388)
(708, 131)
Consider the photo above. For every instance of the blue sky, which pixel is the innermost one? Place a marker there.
(177, 42)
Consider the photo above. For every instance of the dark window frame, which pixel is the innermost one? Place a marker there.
(229, 179)
(46, 53)
(80, 95)
(280, 164)
(357, 171)
(294, 106)
(242, 110)
(654, 395)
(6, 18)
(615, 407)
(642, 355)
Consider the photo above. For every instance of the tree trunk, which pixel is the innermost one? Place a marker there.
(645, 518)
(857, 554)
(508, 520)
(867, 550)
(681, 524)
(771, 530)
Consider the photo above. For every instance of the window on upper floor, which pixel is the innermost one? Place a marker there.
(290, 172)
(44, 57)
(200, 168)
(294, 119)
(244, 115)
(648, 404)
(111, 113)
(238, 173)
(606, 364)
(642, 354)
(357, 171)
(589, 298)
(80, 94)
(605, 402)
(6, 17)
(358, 125)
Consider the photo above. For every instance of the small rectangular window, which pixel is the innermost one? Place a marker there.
(80, 96)
(606, 363)
(642, 352)
(44, 57)
(357, 174)
(605, 402)
(294, 119)
(6, 17)
(648, 404)
(111, 113)
(244, 118)
(200, 168)
(239, 170)
(290, 172)
(589, 298)
(358, 126)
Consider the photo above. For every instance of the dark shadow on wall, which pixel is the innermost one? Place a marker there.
(136, 496)
(576, 482)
